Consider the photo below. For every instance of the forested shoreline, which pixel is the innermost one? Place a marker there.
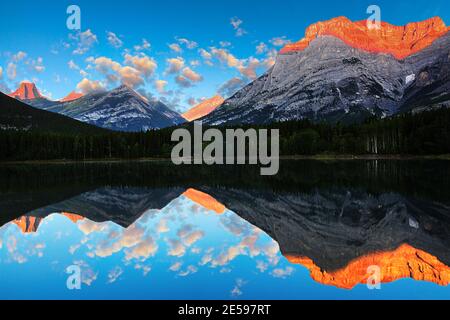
(426, 133)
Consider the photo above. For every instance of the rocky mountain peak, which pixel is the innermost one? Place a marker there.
(26, 91)
(399, 41)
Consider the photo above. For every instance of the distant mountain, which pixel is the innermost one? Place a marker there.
(71, 96)
(342, 71)
(204, 108)
(26, 91)
(29, 93)
(16, 115)
(121, 109)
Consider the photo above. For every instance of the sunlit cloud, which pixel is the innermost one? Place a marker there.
(84, 41)
(114, 40)
(114, 274)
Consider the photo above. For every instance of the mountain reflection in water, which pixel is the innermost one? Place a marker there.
(231, 232)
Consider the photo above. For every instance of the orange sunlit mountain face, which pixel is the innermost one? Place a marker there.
(403, 262)
(400, 41)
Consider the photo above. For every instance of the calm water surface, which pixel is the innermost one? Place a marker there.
(150, 230)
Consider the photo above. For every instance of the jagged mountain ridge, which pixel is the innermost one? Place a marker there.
(330, 80)
(121, 109)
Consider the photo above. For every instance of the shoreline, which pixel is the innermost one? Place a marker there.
(314, 157)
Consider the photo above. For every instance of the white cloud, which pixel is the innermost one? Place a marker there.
(175, 267)
(160, 86)
(143, 63)
(207, 56)
(145, 45)
(1, 72)
(114, 274)
(261, 48)
(87, 86)
(175, 47)
(191, 75)
(236, 23)
(145, 249)
(174, 65)
(279, 41)
(85, 40)
(188, 43)
(131, 76)
(114, 40)
(183, 81)
(176, 248)
(282, 273)
(72, 65)
(11, 71)
(19, 56)
(231, 86)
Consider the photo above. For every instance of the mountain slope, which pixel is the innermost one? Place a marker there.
(16, 115)
(326, 78)
(121, 109)
(29, 94)
(72, 96)
(204, 108)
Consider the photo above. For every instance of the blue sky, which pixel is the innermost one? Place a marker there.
(192, 50)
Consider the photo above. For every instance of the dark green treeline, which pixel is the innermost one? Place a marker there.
(426, 133)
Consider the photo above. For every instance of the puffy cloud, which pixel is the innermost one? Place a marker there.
(249, 70)
(174, 65)
(131, 76)
(1, 72)
(114, 274)
(237, 290)
(183, 82)
(87, 86)
(143, 46)
(236, 23)
(160, 86)
(175, 267)
(85, 40)
(19, 56)
(261, 48)
(195, 63)
(190, 269)
(105, 65)
(145, 249)
(175, 47)
(114, 40)
(282, 273)
(225, 44)
(188, 43)
(11, 71)
(207, 56)
(72, 65)
(191, 75)
(231, 86)
(279, 41)
(87, 226)
(176, 248)
(127, 239)
(143, 63)
(225, 57)
(128, 75)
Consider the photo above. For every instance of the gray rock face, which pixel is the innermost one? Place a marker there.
(121, 109)
(333, 227)
(332, 81)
